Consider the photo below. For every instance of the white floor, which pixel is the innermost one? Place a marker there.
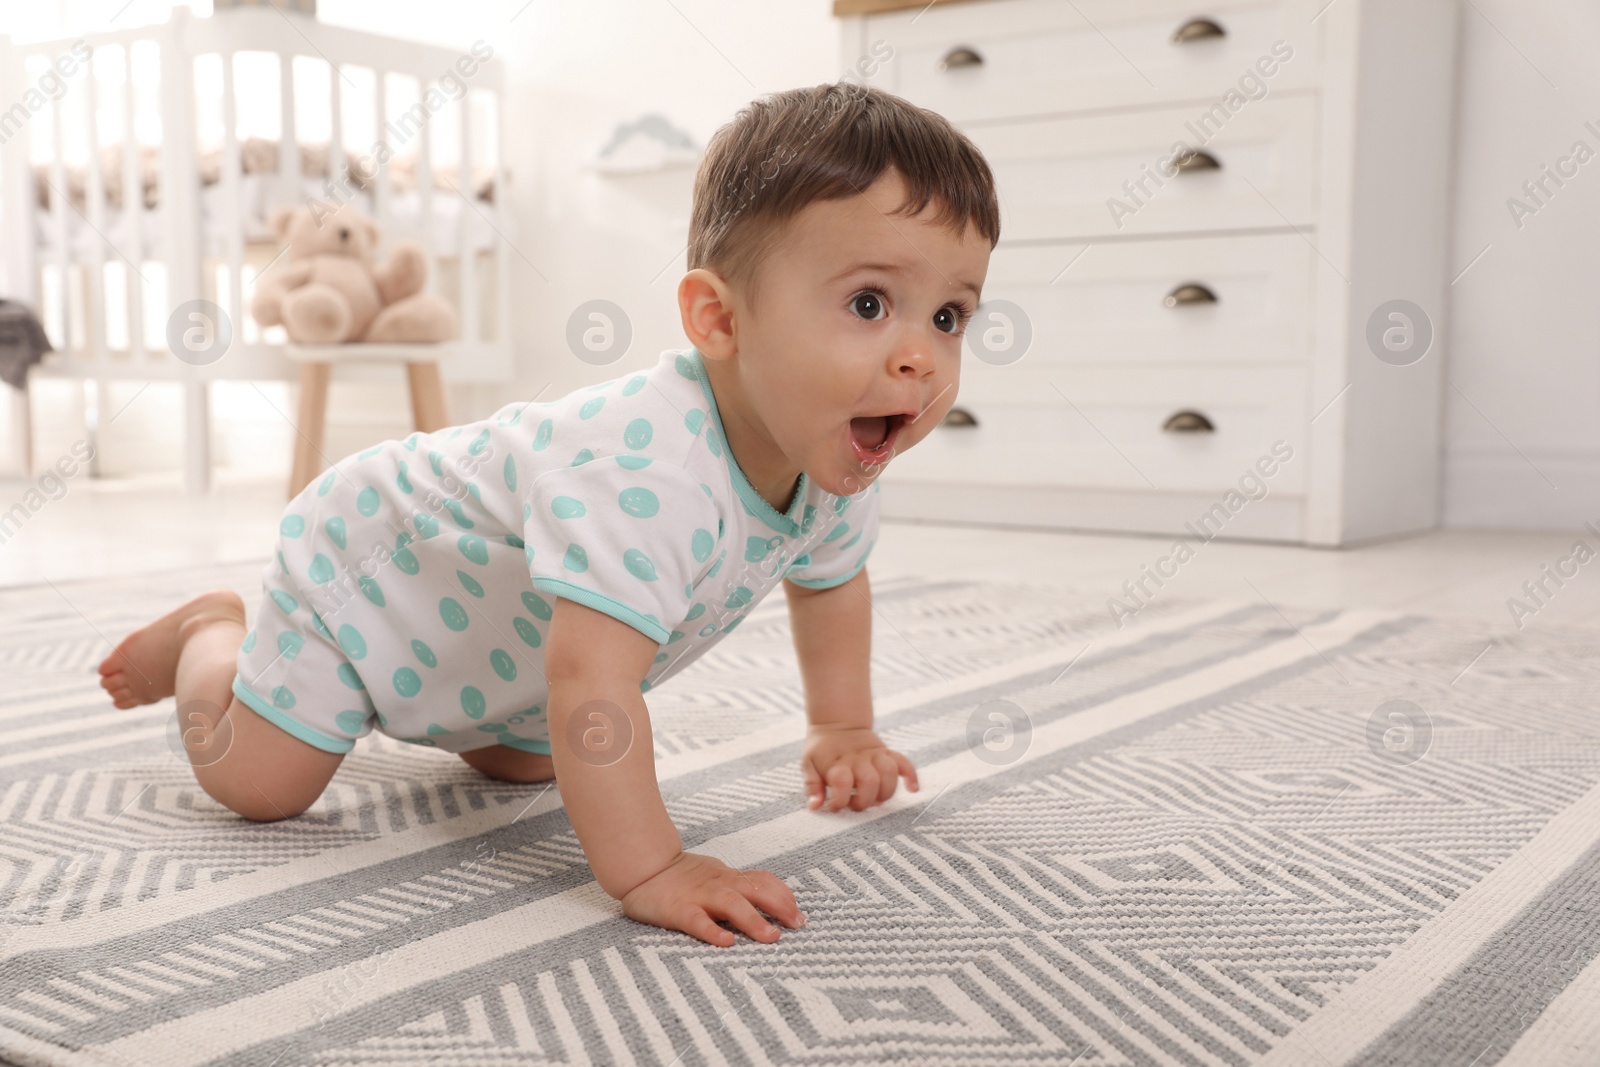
(124, 526)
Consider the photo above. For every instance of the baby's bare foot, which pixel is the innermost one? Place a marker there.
(144, 667)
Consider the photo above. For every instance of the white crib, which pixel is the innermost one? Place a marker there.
(107, 274)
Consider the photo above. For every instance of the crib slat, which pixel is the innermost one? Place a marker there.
(58, 212)
(425, 190)
(290, 185)
(95, 320)
(335, 134)
(233, 224)
(466, 255)
(133, 213)
(380, 187)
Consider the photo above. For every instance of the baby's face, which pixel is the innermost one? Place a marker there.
(859, 315)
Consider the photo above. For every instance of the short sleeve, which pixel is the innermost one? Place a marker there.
(622, 534)
(844, 549)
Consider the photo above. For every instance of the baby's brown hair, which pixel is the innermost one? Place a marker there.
(788, 149)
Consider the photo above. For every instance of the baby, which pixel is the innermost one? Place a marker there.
(509, 590)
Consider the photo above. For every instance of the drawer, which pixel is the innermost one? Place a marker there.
(1108, 302)
(1100, 427)
(1034, 57)
(1062, 179)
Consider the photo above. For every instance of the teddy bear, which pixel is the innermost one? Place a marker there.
(329, 290)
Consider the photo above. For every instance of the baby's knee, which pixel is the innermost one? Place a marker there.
(249, 801)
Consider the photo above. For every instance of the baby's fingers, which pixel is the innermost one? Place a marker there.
(696, 923)
(840, 782)
(730, 904)
(815, 790)
(773, 896)
(907, 771)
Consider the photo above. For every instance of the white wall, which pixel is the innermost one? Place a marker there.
(1521, 441)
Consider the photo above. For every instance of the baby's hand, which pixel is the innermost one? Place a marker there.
(694, 890)
(846, 759)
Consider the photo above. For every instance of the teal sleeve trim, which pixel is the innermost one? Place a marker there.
(829, 583)
(616, 609)
(523, 744)
(277, 718)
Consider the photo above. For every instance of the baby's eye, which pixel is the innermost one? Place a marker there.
(951, 319)
(868, 305)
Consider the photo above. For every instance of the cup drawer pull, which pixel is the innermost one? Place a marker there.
(961, 56)
(1197, 30)
(1196, 161)
(1190, 293)
(959, 417)
(1187, 422)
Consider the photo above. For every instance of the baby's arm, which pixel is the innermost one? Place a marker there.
(594, 664)
(833, 639)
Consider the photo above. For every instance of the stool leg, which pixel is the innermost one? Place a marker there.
(314, 376)
(427, 396)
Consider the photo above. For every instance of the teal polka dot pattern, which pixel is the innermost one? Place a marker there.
(836, 533)
(403, 482)
(474, 548)
(350, 639)
(503, 664)
(591, 408)
(406, 560)
(371, 590)
(470, 584)
(292, 526)
(407, 682)
(336, 531)
(566, 507)
(326, 483)
(576, 559)
(249, 642)
(472, 701)
(639, 565)
(321, 627)
(584, 456)
(537, 606)
(436, 462)
(509, 473)
(713, 443)
(695, 612)
(289, 644)
(527, 631)
(286, 603)
(638, 434)
(283, 697)
(426, 525)
(684, 367)
(542, 437)
(424, 653)
(633, 463)
(453, 614)
(694, 420)
(639, 502)
(458, 514)
(350, 720)
(347, 675)
(367, 501)
(321, 569)
(636, 383)
(739, 597)
(479, 443)
(701, 545)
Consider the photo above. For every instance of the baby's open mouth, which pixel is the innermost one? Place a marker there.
(873, 436)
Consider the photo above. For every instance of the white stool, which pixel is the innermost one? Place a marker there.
(428, 409)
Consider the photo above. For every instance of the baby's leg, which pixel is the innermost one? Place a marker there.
(508, 764)
(243, 761)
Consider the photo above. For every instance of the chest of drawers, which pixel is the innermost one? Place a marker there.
(1210, 217)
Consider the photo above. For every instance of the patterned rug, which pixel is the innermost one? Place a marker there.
(1222, 834)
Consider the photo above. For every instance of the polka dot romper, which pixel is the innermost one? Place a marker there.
(413, 583)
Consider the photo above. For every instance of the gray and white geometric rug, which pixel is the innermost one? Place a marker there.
(1219, 835)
